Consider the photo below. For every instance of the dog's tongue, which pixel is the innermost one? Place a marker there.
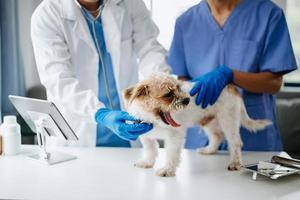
(170, 120)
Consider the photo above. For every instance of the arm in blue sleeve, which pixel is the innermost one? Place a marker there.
(277, 55)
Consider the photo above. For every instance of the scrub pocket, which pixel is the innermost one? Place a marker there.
(243, 55)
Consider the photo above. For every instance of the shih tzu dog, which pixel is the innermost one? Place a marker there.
(164, 101)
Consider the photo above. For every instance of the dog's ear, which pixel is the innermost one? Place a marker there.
(139, 91)
(133, 92)
(127, 93)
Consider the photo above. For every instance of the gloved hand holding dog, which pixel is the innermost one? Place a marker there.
(116, 121)
(209, 86)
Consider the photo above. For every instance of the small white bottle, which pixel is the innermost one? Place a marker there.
(11, 136)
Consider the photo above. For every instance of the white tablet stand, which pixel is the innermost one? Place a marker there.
(44, 156)
(44, 118)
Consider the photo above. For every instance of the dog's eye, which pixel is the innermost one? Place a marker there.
(169, 94)
(178, 88)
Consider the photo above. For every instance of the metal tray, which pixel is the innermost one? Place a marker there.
(272, 173)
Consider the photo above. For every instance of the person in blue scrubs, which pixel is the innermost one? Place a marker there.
(243, 42)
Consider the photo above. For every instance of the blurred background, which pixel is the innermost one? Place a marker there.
(19, 76)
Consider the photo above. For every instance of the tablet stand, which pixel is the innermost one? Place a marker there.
(44, 156)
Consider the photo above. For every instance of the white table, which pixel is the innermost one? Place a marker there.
(108, 173)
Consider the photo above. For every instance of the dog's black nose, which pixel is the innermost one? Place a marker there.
(186, 101)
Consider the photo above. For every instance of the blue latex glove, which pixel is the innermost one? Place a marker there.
(116, 121)
(209, 86)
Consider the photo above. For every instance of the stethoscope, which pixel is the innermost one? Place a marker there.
(99, 10)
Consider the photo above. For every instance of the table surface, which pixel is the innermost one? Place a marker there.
(108, 173)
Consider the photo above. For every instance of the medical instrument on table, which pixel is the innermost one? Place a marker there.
(278, 167)
(289, 162)
(44, 118)
(279, 171)
(11, 136)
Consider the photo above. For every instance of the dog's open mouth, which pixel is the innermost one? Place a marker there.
(167, 119)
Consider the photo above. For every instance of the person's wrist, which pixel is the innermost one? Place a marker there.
(101, 113)
(227, 72)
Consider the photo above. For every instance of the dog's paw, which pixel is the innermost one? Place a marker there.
(206, 151)
(143, 164)
(234, 166)
(166, 172)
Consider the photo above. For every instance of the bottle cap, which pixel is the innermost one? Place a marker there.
(10, 119)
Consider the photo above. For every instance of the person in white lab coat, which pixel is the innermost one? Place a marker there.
(86, 52)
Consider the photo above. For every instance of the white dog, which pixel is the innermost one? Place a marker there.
(164, 101)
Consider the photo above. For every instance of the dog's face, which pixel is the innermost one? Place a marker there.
(157, 96)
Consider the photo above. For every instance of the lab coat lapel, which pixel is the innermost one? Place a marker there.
(73, 16)
(82, 30)
(112, 19)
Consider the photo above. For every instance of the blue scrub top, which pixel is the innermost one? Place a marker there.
(105, 137)
(255, 38)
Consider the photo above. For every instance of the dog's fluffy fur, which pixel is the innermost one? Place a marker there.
(164, 101)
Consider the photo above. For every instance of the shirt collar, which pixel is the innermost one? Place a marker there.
(71, 9)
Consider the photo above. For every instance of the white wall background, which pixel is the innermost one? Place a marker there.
(164, 13)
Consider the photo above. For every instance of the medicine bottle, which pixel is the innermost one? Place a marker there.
(11, 136)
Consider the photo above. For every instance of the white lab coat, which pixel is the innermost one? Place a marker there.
(67, 59)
